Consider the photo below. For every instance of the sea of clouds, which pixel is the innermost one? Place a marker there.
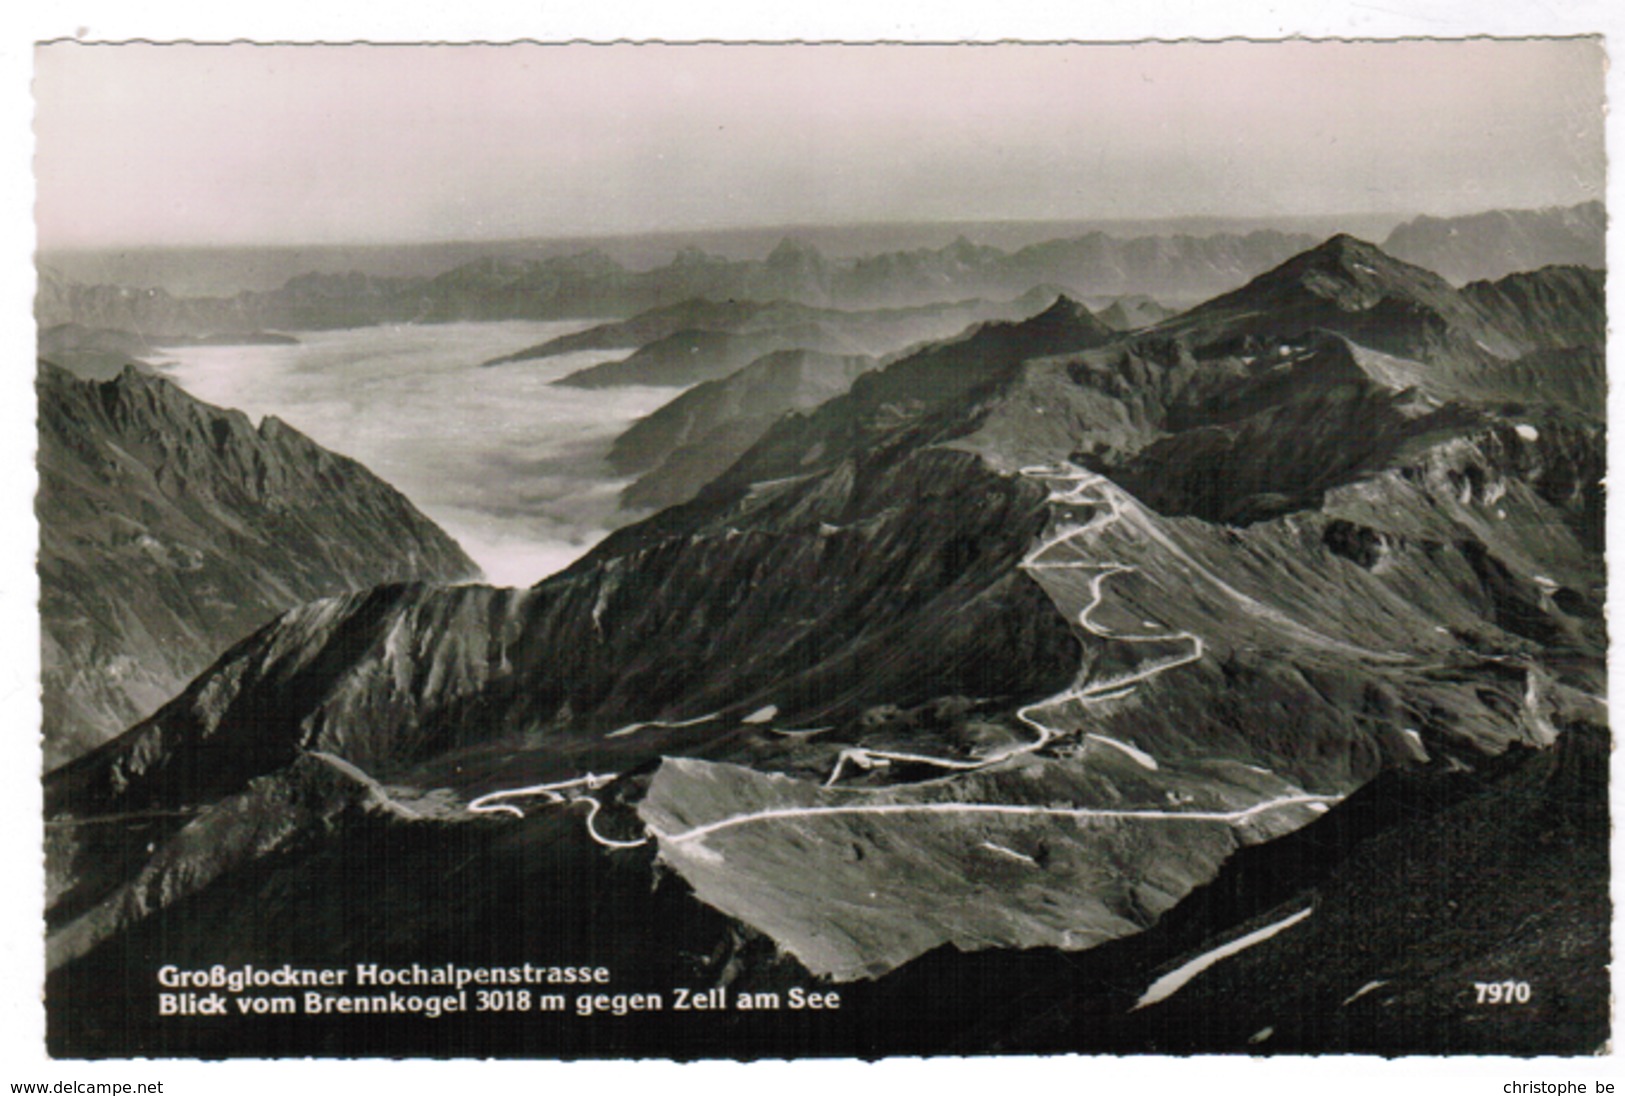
(507, 463)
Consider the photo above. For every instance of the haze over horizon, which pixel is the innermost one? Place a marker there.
(242, 145)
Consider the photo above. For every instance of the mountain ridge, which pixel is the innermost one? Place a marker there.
(170, 528)
(592, 284)
(1493, 244)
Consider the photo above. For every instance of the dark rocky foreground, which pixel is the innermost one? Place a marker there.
(985, 695)
(1425, 883)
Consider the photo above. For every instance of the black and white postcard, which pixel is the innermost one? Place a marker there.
(738, 551)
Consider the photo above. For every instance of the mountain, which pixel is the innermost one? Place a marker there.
(690, 357)
(739, 333)
(1178, 267)
(1503, 241)
(590, 283)
(1548, 309)
(170, 529)
(1134, 311)
(92, 353)
(1467, 339)
(875, 331)
(913, 390)
(652, 325)
(99, 354)
(1354, 288)
(688, 442)
(1045, 661)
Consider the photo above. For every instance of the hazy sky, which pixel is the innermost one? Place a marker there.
(248, 144)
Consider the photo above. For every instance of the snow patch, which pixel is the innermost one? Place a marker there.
(1144, 759)
(1362, 991)
(1413, 739)
(1004, 851)
(1174, 981)
(633, 728)
(762, 715)
(704, 853)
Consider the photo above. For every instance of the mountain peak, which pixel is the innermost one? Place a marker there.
(1067, 317)
(1345, 246)
(691, 256)
(1353, 274)
(963, 250)
(1354, 288)
(1065, 305)
(792, 250)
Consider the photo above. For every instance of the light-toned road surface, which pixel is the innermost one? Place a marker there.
(493, 802)
(1076, 813)
(554, 793)
(592, 829)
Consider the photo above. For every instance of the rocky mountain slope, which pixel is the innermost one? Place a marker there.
(692, 440)
(1503, 241)
(169, 529)
(688, 442)
(987, 671)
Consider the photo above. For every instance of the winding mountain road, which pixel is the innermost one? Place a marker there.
(490, 803)
(1069, 485)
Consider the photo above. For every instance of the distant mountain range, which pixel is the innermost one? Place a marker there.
(729, 415)
(1044, 661)
(170, 529)
(1501, 242)
(1173, 268)
(592, 284)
